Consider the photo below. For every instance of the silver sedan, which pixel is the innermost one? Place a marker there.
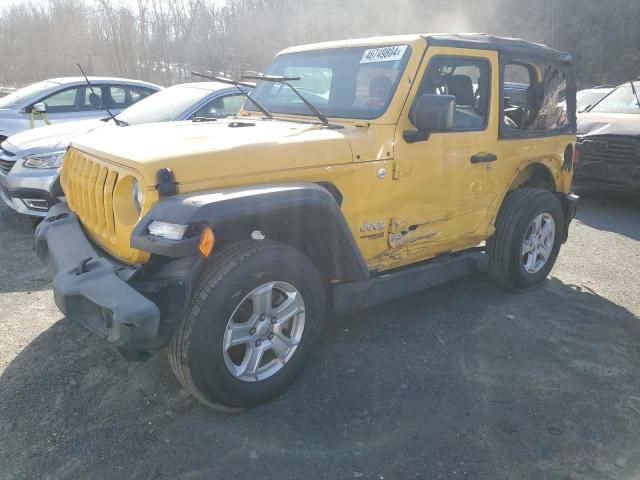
(30, 161)
(67, 100)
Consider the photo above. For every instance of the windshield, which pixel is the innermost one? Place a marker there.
(14, 98)
(356, 82)
(164, 106)
(621, 100)
(586, 98)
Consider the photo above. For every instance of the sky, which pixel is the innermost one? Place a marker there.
(14, 2)
(114, 2)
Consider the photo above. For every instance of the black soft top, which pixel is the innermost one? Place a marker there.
(513, 46)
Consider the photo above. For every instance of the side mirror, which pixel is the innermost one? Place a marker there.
(431, 113)
(40, 107)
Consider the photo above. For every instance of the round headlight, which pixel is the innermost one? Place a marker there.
(138, 195)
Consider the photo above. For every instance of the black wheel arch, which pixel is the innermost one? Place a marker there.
(306, 216)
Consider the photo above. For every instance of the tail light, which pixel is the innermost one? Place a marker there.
(576, 155)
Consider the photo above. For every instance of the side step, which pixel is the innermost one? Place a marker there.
(349, 297)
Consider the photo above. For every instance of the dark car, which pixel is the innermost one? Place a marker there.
(609, 141)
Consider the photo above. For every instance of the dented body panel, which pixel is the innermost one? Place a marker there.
(381, 207)
(403, 202)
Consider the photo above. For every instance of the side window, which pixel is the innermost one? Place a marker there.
(62, 102)
(90, 101)
(221, 107)
(467, 79)
(138, 93)
(534, 98)
(118, 97)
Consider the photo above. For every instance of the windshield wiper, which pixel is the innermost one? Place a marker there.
(203, 119)
(237, 85)
(635, 93)
(285, 81)
(122, 123)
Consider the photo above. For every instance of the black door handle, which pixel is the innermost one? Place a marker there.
(483, 158)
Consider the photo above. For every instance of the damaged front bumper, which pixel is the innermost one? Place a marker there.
(609, 162)
(93, 289)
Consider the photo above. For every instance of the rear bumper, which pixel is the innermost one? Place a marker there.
(569, 203)
(93, 289)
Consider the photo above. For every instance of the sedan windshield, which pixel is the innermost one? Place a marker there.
(165, 105)
(357, 82)
(621, 100)
(589, 97)
(14, 98)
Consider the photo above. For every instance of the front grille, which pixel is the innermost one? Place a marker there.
(97, 192)
(611, 156)
(89, 187)
(5, 165)
(6, 160)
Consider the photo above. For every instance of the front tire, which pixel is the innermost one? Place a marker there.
(527, 239)
(255, 319)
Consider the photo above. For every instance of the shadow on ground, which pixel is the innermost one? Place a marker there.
(611, 211)
(21, 269)
(542, 384)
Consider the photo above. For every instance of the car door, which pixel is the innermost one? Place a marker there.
(62, 106)
(91, 102)
(443, 186)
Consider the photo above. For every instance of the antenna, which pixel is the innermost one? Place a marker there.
(113, 117)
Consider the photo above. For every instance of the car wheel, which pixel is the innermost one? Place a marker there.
(255, 319)
(527, 239)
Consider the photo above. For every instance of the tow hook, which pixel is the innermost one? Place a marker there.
(82, 266)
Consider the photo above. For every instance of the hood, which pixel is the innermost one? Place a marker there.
(594, 123)
(225, 148)
(52, 137)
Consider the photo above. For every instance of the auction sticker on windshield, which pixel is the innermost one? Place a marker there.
(383, 54)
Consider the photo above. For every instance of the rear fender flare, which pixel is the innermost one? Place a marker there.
(547, 168)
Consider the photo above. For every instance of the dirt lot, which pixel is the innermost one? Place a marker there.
(463, 381)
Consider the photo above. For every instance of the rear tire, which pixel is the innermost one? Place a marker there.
(255, 319)
(527, 240)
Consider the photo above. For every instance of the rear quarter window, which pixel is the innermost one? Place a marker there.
(533, 100)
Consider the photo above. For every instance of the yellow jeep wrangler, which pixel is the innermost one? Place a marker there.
(357, 172)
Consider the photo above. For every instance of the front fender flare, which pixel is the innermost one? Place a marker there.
(301, 214)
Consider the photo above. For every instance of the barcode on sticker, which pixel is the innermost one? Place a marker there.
(383, 54)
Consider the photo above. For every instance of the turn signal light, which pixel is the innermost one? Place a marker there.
(207, 241)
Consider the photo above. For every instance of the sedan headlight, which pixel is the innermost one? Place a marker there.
(44, 160)
(138, 195)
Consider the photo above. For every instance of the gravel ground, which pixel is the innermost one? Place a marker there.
(462, 381)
